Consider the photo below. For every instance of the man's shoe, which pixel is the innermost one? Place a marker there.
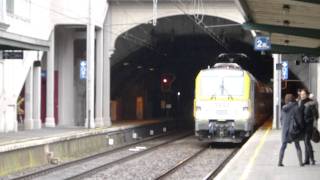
(306, 163)
(313, 162)
(280, 164)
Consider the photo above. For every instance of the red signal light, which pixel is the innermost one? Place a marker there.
(164, 80)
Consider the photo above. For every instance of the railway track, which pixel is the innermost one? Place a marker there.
(181, 164)
(122, 160)
(185, 162)
(47, 171)
(200, 163)
(215, 171)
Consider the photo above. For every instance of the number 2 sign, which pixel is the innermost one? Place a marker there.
(262, 43)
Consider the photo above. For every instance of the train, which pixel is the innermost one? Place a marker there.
(229, 103)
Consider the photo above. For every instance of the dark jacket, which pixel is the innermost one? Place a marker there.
(310, 113)
(307, 112)
(312, 110)
(288, 111)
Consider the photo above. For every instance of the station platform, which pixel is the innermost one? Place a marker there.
(31, 148)
(258, 159)
(25, 138)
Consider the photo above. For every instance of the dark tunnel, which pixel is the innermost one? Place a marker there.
(180, 52)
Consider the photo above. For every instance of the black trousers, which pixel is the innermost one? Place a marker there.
(283, 148)
(307, 142)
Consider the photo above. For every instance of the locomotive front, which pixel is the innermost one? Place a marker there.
(223, 105)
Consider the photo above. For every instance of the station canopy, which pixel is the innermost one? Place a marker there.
(293, 25)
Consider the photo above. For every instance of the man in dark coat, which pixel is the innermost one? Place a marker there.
(289, 110)
(308, 117)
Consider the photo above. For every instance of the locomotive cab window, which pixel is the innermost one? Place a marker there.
(218, 86)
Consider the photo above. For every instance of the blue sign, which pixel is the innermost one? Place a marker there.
(43, 74)
(285, 70)
(262, 43)
(83, 70)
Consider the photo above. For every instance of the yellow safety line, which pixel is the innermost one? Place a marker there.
(245, 173)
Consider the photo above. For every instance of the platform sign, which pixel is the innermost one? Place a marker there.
(285, 70)
(43, 74)
(83, 70)
(12, 54)
(262, 43)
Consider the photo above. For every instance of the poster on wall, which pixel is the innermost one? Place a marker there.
(83, 69)
(285, 70)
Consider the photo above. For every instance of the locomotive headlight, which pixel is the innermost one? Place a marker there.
(198, 108)
(246, 114)
(197, 112)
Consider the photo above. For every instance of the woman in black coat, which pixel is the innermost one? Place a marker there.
(289, 110)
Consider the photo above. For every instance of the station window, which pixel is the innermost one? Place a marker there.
(10, 6)
(19, 9)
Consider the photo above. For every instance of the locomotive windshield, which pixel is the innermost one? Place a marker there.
(213, 86)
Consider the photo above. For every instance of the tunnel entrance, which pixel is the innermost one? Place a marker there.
(153, 68)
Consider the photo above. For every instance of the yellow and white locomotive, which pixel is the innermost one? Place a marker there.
(229, 103)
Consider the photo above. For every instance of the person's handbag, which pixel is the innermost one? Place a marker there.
(315, 135)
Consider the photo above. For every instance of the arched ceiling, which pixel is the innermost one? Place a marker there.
(179, 46)
(171, 29)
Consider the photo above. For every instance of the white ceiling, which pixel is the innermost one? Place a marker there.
(297, 13)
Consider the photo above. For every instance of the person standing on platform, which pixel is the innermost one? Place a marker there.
(308, 116)
(289, 110)
(315, 110)
(20, 110)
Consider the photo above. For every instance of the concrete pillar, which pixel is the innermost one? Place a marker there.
(99, 79)
(108, 51)
(50, 83)
(66, 66)
(106, 90)
(3, 10)
(313, 78)
(37, 95)
(89, 122)
(3, 103)
(28, 105)
(2, 97)
(317, 95)
(317, 92)
(317, 80)
(276, 90)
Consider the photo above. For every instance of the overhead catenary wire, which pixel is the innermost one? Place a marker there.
(134, 38)
(198, 21)
(222, 25)
(155, 12)
(202, 26)
(199, 11)
(127, 14)
(137, 41)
